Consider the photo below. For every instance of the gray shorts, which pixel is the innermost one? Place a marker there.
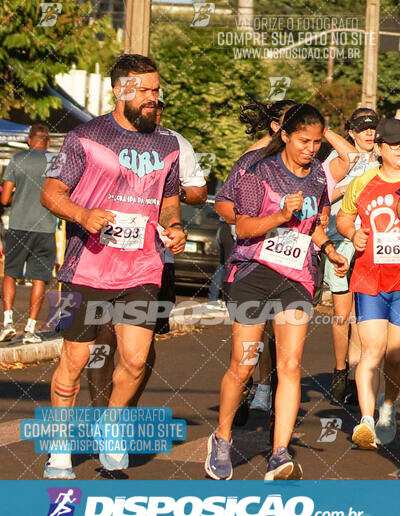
(37, 250)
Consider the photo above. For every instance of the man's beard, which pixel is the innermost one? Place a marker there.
(143, 123)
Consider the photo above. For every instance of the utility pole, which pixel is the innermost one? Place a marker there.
(331, 60)
(245, 15)
(371, 48)
(137, 27)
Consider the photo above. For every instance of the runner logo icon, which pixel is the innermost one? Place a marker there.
(202, 14)
(63, 500)
(330, 427)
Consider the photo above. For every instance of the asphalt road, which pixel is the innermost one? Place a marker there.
(187, 375)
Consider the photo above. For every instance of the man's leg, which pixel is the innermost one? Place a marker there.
(133, 347)
(65, 383)
(9, 287)
(37, 295)
(65, 386)
(100, 378)
(39, 268)
(15, 254)
(151, 360)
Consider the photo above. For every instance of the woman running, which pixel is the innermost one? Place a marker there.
(259, 117)
(272, 270)
(360, 132)
(374, 197)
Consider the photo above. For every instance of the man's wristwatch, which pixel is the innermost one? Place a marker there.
(325, 245)
(176, 225)
(182, 195)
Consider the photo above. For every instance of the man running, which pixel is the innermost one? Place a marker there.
(193, 190)
(115, 178)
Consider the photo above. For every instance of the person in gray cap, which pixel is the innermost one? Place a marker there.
(375, 280)
(30, 239)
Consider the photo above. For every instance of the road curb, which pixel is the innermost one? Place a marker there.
(28, 353)
(51, 346)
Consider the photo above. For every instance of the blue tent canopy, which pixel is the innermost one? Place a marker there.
(12, 132)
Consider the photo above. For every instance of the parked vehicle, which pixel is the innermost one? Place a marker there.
(197, 264)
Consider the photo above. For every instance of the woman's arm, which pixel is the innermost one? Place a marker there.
(251, 227)
(225, 210)
(341, 265)
(347, 155)
(259, 144)
(345, 224)
(339, 192)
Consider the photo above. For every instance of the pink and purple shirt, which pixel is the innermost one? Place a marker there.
(108, 167)
(261, 191)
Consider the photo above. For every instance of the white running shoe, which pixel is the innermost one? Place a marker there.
(364, 434)
(8, 332)
(31, 338)
(262, 398)
(217, 305)
(386, 427)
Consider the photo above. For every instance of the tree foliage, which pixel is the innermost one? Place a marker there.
(205, 87)
(32, 55)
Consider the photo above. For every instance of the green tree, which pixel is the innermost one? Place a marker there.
(205, 86)
(31, 55)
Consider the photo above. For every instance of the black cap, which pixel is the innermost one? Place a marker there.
(364, 122)
(388, 131)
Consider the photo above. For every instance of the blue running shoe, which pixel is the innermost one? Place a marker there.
(58, 473)
(218, 464)
(110, 461)
(281, 466)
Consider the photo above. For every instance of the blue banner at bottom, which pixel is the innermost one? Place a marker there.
(199, 498)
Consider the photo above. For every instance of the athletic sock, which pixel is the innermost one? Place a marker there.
(368, 419)
(8, 317)
(30, 325)
(60, 460)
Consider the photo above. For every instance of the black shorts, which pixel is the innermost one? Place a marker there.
(37, 250)
(262, 294)
(87, 309)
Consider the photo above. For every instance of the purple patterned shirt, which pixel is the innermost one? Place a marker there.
(227, 191)
(261, 192)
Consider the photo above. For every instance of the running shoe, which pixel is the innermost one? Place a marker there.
(364, 434)
(110, 461)
(218, 464)
(216, 305)
(31, 338)
(386, 427)
(281, 466)
(58, 473)
(339, 384)
(262, 398)
(7, 333)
